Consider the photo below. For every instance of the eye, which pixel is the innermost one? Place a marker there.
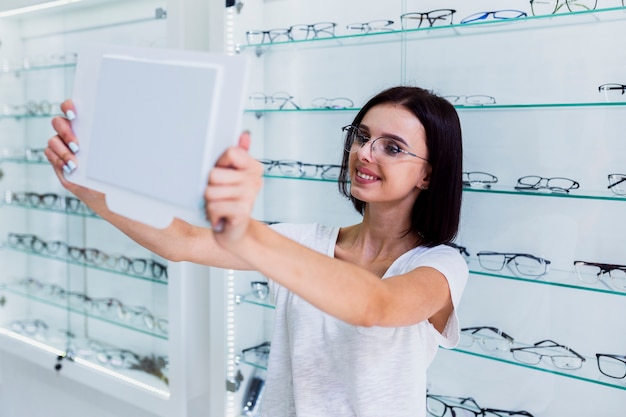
(390, 147)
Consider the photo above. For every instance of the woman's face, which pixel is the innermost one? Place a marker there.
(378, 178)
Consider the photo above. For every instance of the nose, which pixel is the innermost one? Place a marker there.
(366, 151)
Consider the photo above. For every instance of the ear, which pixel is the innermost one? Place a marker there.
(424, 182)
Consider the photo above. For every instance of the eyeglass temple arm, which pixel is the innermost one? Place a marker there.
(617, 183)
(493, 329)
(256, 347)
(555, 344)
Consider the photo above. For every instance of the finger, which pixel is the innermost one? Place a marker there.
(244, 140)
(234, 157)
(59, 154)
(64, 130)
(68, 109)
(225, 176)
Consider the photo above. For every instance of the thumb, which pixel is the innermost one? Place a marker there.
(244, 140)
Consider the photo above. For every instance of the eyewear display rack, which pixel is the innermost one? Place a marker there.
(546, 116)
(77, 297)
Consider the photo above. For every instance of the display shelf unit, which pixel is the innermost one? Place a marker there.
(548, 119)
(122, 357)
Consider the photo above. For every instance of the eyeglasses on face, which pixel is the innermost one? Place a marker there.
(554, 184)
(277, 100)
(479, 179)
(592, 272)
(523, 264)
(438, 17)
(617, 183)
(380, 25)
(494, 15)
(472, 100)
(489, 338)
(444, 405)
(544, 7)
(531, 355)
(384, 150)
(613, 366)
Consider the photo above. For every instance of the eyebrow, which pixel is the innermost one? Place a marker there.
(390, 136)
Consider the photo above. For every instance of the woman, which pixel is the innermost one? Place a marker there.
(362, 309)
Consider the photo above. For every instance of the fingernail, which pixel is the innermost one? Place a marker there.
(70, 115)
(73, 147)
(69, 167)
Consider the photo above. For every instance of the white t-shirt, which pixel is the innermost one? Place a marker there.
(320, 366)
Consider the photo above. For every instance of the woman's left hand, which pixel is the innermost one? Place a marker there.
(231, 193)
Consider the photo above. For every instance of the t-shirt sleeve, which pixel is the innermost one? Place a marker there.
(451, 264)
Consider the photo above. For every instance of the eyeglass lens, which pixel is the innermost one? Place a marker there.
(617, 183)
(613, 366)
(384, 150)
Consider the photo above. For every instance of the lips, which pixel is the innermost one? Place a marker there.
(365, 175)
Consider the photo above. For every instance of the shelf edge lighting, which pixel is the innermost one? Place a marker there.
(36, 7)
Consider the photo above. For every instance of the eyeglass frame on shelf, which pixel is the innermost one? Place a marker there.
(426, 15)
(538, 185)
(483, 16)
(603, 269)
(557, 6)
(553, 344)
(510, 256)
(484, 183)
(612, 185)
(480, 338)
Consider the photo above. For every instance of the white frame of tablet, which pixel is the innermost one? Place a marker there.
(94, 107)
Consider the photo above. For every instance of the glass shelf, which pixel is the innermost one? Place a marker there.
(486, 107)
(259, 112)
(486, 26)
(588, 373)
(555, 277)
(251, 299)
(85, 313)
(286, 177)
(18, 71)
(29, 116)
(597, 195)
(253, 364)
(49, 210)
(86, 265)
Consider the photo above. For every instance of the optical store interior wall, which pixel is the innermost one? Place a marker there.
(548, 119)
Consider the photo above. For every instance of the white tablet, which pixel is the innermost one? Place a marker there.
(151, 123)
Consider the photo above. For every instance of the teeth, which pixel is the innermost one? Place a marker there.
(365, 176)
